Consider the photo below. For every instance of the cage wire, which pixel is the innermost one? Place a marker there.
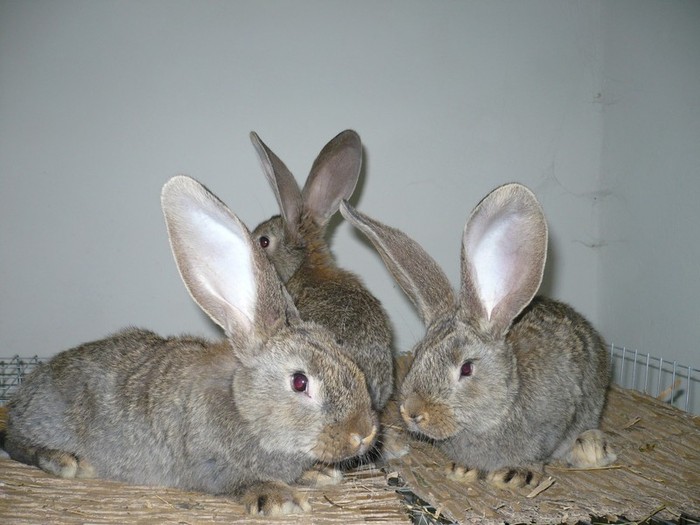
(674, 383)
(666, 380)
(12, 371)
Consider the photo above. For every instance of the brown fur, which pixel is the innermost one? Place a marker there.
(323, 292)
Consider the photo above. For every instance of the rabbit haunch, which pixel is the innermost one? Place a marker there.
(295, 243)
(502, 383)
(243, 416)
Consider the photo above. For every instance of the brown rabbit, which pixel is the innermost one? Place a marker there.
(245, 416)
(502, 383)
(295, 243)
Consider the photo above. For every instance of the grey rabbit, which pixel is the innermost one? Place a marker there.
(502, 382)
(295, 243)
(244, 416)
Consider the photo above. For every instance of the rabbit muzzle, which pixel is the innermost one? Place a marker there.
(433, 420)
(346, 439)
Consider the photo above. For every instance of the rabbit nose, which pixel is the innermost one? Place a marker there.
(411, 413)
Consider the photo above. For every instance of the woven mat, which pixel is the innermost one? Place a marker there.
(29, 496)
(657, 472)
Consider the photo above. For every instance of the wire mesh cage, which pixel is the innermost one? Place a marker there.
(668, 381)
(12, 371)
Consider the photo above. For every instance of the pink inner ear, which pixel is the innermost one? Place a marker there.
(495, 260)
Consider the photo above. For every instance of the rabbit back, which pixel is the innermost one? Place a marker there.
(344, 306)
(124, 404)
(565, 365)
(120, 404)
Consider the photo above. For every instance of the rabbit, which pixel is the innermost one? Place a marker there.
(502, 382)
(295, 243)
(244, 416)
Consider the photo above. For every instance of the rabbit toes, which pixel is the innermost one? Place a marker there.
(321, 476)
(515, 478)
(274, 499)
(463, 474)
(591, 449)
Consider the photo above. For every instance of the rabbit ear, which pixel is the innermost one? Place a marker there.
(504, 248)
(282, 181)
(231, 280)
(416, 272)
(333, 176)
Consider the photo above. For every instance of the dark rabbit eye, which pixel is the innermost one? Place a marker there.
(467, 369)
(264, 241)
(300, 382)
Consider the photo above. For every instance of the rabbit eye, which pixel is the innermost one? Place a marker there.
(264, 241)
(300, 383)
(466, 369)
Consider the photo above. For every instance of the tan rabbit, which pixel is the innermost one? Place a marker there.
(503, 383)
(295, 243)
(244, 416)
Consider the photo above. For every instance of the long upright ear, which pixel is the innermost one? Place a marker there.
(417, 273)
(504, 248)
(333, 176)
(231, 280)
(282, 182)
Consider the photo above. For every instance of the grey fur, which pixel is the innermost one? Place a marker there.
(539, 369)
(219, 417)
(323, 292)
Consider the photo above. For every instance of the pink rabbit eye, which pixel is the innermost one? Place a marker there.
(264, 242)
(300, 382)
(467, 369)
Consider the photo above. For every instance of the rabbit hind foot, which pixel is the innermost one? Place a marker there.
(590, 450)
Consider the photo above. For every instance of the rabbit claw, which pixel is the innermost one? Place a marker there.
(462, 473)
(515, 478)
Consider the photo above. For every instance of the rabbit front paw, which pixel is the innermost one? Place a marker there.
(515, 478)
(64, 464)
(463, 474)
(273, 498)
(321, 476)
(590, 450)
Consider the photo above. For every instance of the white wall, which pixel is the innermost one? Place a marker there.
(101, 102)
(649, 291)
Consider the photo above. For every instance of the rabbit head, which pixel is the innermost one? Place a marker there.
(329, 411)
(464, 373)
(300, 228)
